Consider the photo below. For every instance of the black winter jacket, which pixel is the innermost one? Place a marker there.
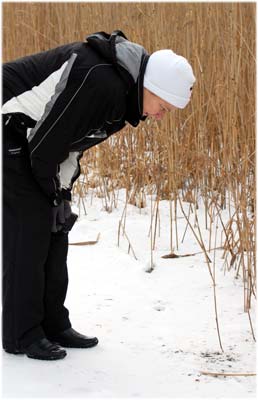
(71, 98)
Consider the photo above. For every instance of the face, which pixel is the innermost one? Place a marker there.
(154, 106)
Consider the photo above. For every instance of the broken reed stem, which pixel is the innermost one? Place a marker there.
(197, 238)
(214, 292)
(210, 227)
(227, 373)
(130, 247)
(175, 212)
(173, 255)
(251, 325)
(171, 224)
(156, 222)
(200, 241)
(186, 224)
(123, 217)
(213, 283)
(215, 247)
(225, 232)
(118, 233)
(151, 239)
(86, 243)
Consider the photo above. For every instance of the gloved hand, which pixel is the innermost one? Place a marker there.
(60, 214)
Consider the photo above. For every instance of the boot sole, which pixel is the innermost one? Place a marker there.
(10, 351)
(51, 358)
(74, 346)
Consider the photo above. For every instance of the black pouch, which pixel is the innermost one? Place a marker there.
(69, 223)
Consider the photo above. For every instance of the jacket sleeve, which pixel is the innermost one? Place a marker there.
(83, 105)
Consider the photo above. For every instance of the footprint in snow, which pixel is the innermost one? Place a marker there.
(159, 305)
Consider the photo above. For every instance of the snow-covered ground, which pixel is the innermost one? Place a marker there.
(156, 331)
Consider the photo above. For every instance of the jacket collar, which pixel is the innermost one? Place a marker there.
(134, 111)
(130, 60)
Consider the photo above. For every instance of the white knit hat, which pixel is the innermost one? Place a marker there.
(170, 77)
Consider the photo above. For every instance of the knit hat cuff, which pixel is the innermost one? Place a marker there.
(179, 102)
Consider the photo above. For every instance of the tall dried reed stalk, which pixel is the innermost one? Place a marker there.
(204, 152)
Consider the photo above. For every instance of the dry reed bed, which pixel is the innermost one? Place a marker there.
(207, 150)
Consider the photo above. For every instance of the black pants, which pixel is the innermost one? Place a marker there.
(34, 272)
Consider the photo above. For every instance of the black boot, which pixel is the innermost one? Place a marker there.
(42, 349)
(71, 338)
